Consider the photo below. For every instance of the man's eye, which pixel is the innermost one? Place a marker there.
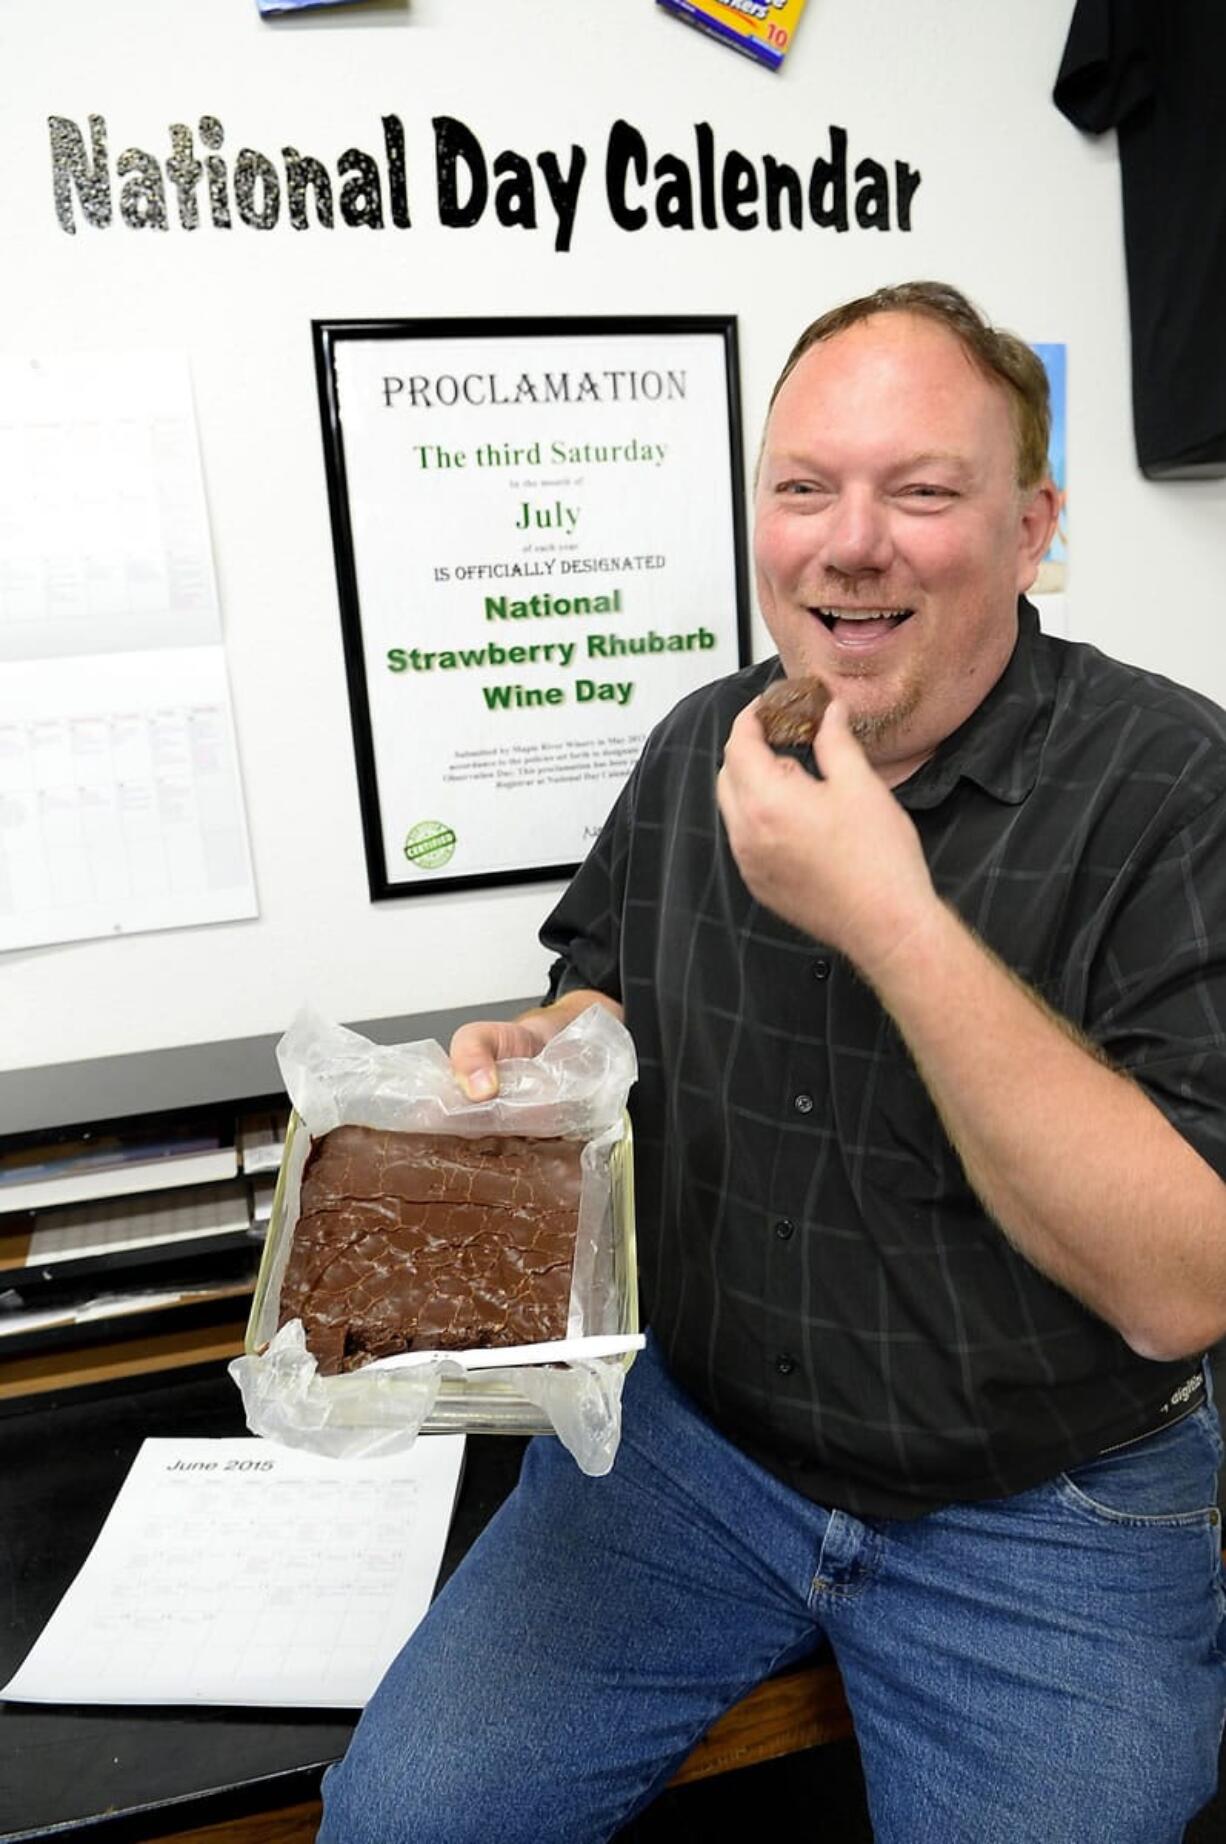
(925, 490)
(799, 488)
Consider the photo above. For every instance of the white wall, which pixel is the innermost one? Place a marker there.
(1014, 206)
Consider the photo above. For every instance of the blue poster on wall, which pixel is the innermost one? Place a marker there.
(1053, 571)
(271, 7)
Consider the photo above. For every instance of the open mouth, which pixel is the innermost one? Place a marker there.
(879, 620)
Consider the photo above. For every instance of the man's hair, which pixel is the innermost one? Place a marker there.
(1000, 356)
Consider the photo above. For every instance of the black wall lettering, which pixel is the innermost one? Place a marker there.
(142, 198)
(625, 155)
(828, 185)
(70, 167)
(302, 173)
(361, 199)
(184, 172)
(455, 144)
(704, 185)
(254, 172)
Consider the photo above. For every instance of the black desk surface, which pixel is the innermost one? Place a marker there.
(119, 1773)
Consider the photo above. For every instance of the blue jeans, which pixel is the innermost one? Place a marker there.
(1043, 1669)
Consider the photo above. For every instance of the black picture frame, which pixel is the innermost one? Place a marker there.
(330, 338)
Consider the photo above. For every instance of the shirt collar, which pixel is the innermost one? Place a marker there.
(1000, 744)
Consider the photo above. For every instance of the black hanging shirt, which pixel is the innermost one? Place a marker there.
(1155, 70)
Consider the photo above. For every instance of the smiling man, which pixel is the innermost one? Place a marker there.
(930, 1137)
(900, 522)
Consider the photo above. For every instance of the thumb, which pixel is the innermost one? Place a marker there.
(835, 749)
(475, 1049)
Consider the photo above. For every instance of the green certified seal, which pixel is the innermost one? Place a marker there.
(429, 845)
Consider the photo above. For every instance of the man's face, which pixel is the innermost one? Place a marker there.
(891, 538)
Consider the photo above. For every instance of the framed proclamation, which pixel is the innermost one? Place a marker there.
(539, 537)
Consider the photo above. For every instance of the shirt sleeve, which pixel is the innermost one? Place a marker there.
(585, 929)
(1158, 996)
(1106, 72)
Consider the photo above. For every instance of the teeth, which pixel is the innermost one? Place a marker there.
(863, 614)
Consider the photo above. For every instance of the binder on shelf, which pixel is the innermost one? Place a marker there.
(120, 1231)
(40, 1175)
(22, 1322)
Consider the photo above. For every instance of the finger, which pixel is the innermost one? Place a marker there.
(474, 1059)
(747, 735)
(478, 1048)
(748, 754)
(836, 750)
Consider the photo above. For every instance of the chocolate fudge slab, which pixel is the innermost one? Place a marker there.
(425, 1241)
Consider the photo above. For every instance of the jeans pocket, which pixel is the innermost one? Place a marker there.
(1168, 1478)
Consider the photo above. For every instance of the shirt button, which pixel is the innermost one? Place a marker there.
(820, 969)
(785, 1364)
(785, 1229)
(803, 1103)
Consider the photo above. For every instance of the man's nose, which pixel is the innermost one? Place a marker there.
(856, 534)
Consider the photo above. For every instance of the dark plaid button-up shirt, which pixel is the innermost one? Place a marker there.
(815, 1267)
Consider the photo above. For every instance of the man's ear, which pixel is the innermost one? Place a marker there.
(1040, 514)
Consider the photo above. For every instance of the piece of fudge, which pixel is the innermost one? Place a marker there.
(791, 710)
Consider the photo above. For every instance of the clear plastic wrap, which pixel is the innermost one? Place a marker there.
(575, 1089)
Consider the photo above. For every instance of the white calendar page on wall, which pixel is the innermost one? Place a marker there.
(121, 808)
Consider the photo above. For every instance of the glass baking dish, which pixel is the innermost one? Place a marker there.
(482, 1401)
